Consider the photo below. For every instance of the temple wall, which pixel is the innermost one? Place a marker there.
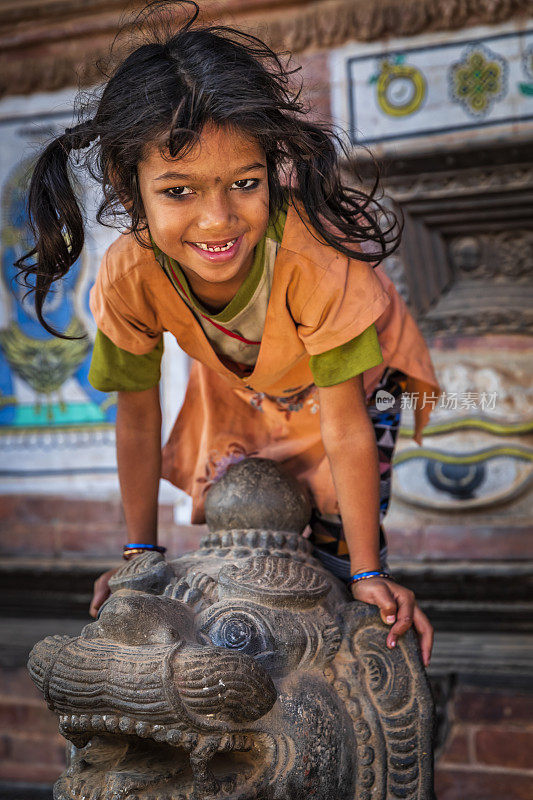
(445, 97)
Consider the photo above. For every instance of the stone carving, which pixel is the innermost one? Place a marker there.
(319, 25)
(501, 255)
(242, 670)
(466, 251)
(474, 181)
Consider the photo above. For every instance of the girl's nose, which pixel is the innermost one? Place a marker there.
(215, 213)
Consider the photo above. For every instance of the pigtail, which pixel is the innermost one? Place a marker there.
(55, 219)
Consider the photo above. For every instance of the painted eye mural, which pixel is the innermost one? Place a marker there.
(448, 481)
(43, 379)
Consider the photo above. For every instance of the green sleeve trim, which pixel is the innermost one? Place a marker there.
(115, 370)
(347, 360)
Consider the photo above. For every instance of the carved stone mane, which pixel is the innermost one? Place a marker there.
(242, 670)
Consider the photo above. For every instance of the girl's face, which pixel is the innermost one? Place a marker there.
(208, 209)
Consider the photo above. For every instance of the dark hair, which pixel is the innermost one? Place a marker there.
(165, 91)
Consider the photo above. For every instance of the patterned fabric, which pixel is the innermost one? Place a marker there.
(327, 531)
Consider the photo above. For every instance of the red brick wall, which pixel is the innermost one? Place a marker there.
(488, 754)
(57, 527)
(31, 749)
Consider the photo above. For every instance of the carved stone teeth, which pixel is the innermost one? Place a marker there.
(252, 538)
(143, 729)
(238, 538)
(227, 743)
(174, 737)
(97, 722)
(291, 542)
(226, 540)
(84, 721)
(279, 538)
(190, 740)
(228, 783)
(241, 742)
(126, 724)
(111, 722)
(159, 733)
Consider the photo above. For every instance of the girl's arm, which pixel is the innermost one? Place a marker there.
(350, 445)
(138, 433)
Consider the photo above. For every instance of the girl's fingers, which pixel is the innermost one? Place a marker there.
(380, 595)
(404, 617)
(99, 596)
(397, 607)
(100, 593)
(424, 629)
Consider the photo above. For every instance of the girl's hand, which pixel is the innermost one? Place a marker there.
(101, 591)
(398, 607)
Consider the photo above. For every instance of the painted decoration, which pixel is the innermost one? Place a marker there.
(434, 85)
(400, 88)
(526, 86)
(57, 433)
(43, 378)
(477, 452)
(478, 80)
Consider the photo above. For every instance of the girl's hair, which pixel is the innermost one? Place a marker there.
(164, 92)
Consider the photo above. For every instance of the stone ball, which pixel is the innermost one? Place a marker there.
(256, 493)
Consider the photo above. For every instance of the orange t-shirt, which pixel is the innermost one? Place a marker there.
(319, 299)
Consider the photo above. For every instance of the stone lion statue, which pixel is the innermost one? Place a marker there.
(243, 670)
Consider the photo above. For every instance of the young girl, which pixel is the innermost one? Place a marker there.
(244, 243)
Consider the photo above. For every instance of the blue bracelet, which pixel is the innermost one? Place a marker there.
(156, 547)
(363, 576)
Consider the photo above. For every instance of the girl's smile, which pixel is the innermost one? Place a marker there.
(208, 209)
(223, 250)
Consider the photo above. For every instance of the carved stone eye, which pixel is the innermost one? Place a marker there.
(236, 633)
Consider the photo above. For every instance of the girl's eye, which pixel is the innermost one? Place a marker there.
(246, 183)
(178, 191)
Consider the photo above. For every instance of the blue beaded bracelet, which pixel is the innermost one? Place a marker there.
(363, 576)
(158, 548)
